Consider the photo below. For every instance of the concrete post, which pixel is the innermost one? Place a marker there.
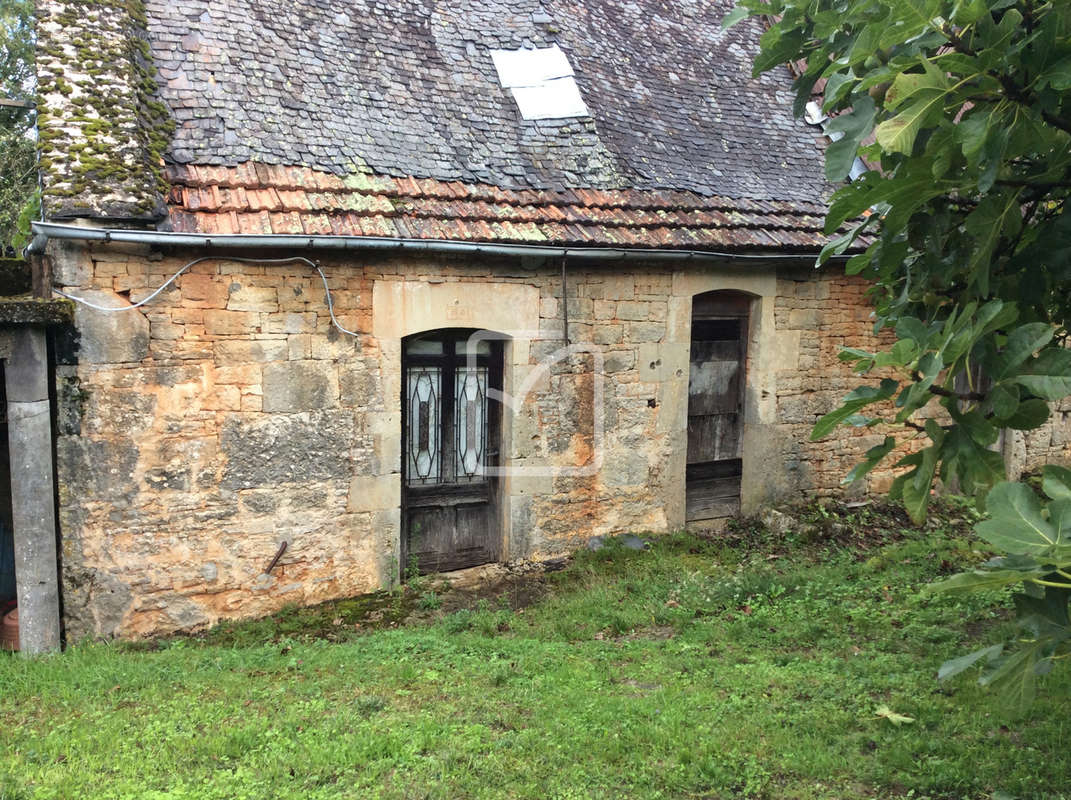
(30, 446)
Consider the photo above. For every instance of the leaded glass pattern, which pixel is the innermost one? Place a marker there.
(423, 385)
(470, 420)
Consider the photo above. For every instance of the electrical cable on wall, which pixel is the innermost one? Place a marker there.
(169, 281)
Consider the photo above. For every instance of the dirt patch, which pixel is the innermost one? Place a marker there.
(861, 526)
(422, 601)
(495, 589)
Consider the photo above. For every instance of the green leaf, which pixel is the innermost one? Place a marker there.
(908, 84)
(1023, 342)
(1014, 676)
(733, 17)
(873, 457)
(916, 490)
(1045, 615)
(981, 579)
(1031, 414)
(898, 134)
(1005, 399)
(777, 47)
(968, 12)
(972, 133)
(1049, 375)
(914, 329)
(892, 716)
(854, 127)
(996, 216)
(837, 87)
(1016, 524)
(956, 665)
(837, 246)
(1056, 482)
(852, 403)
(1058, 76)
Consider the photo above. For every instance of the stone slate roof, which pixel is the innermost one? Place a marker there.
(408, 88)
(256, 198)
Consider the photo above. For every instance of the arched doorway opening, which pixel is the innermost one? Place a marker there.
(716, 385)
(451, 432)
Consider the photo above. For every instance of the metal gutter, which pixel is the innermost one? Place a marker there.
(52, 230)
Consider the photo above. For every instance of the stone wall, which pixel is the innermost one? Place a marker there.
(228, 415)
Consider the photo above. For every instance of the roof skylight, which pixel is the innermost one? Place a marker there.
(541, 81)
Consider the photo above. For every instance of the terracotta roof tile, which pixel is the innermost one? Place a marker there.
(318, 224)
(257, 222)
(259, 198)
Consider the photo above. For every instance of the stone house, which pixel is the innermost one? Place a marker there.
(367, 284)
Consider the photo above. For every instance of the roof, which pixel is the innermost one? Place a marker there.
(407, 88)
(261, 198)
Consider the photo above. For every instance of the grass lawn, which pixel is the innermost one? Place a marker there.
(735, 666)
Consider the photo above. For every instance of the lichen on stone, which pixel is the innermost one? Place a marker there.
(102, 131)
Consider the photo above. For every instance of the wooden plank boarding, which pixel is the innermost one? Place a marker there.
(715, 405)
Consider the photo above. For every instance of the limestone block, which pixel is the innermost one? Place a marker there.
(333, 345)
(291, 386)
(245, 375)
(605, 309)
(619, 361)
(299, 347)
(525, 433)
(71, 263)
(358, 384)
(125, 410)
(264, 451)
(242, 351)
(658, 311)
(646, 331)
(632, 310)
(625, 467)
(531, 481)
(518, 351)
(786, 351)
(374, 493)
(203, 291)
(252, 298)
(222, 322)
(619, 287)
(673, 406)
(679, 319)
(110, 337)
(804, 318)
(523, 537)
(400, 308)
(649, 361)
(604, 334)
(579, 308)
(386, 428)
(222, 398)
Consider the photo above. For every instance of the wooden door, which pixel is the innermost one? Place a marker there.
(716, 404)
(450, 434)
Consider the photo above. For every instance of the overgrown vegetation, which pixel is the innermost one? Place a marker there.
(961, 112)
(18, 156)
(739, 666)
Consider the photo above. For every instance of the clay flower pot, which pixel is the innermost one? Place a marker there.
(9, 631)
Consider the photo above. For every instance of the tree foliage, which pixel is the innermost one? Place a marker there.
(962, 110)
(18, 159)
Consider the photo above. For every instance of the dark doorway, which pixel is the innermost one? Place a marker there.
(716, 404)
(450, 435)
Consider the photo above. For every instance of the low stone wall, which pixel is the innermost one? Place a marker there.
(228, 415)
